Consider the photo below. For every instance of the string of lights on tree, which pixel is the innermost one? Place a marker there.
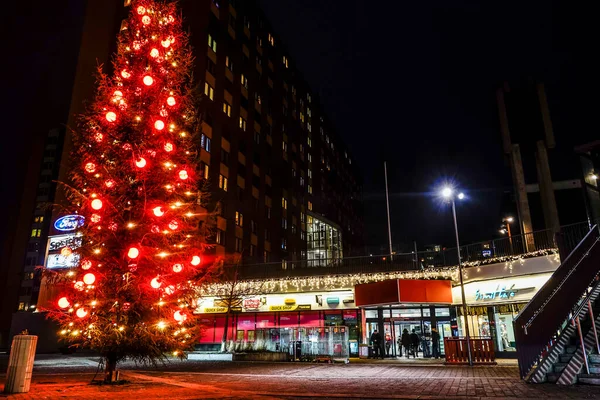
(336, 282)
(135, 181)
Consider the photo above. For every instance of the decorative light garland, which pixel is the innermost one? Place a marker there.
(336, 282)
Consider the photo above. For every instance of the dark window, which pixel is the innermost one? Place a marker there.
(224, 157)
(210, 66)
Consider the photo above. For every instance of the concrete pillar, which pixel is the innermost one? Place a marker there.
(546, 188)
(521, 194)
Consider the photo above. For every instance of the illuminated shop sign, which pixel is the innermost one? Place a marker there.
(60, 251)
(56, 243)
(69, 223)
(501, 293)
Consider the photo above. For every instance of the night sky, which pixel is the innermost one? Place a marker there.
(412, 83)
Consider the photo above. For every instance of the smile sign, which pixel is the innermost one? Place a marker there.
(69, 223)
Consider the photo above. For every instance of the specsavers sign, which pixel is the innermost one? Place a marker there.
(496, 291)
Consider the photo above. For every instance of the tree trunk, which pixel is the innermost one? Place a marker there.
(224, 339)
(110, 368)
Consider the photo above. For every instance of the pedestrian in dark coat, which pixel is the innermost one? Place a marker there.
(406, 342)
(377, 344)
(414, 341)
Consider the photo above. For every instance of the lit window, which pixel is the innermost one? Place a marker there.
(309, 189)
(204, 170)
(220, 237)
(285, 61)
(222, 182)
(212, 43)
(229, 63)
(227, 108)
(244, 81)
(209, 91)
(239, 218)
(284, 203)
(309, 157)
(310, 173)
(283, 244)
(310, 206)
(271, 40)
(284, 147)
(284, 223)
(242, 123)
(205, 142)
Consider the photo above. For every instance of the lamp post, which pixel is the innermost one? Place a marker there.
(448, 194)
(506, 229)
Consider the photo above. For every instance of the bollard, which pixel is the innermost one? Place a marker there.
(20, 364)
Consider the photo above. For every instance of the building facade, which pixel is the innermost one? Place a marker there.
(282, 182)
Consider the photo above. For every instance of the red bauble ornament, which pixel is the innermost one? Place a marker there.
(155, 283)
(146, 19)
(111, 116)
(98, 137)
(90, 167)
(81, 312)
(86, 264)
(89, 278)
(117, 95)
(109, 183)
(148, 81)
(158, 211)
(78, 285)
(170, 289)
(133, 252)
(112, 226)
(141, 162)
(97, 204)
(159, 125)
(177, 267)
(125, 74)
(183, 175)
(141, 10)
(173, 225)
(171, 101)
(155, 229)
(126, 306)
(154, 53)
(168, 147)
(63, 302)
(165, 43)
(95, 218)
(196, 260)
(179, 316)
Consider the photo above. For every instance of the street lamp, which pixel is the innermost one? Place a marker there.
(448, 194)
(506, 229)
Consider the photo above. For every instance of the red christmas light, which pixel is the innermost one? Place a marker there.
(155, 283)
(165, 43)
(86, 264)
(173, 225)
(159, 125)
(183, 175)
(125, 74)
(81, 312)
(148, 81)
(111, 116)
(177, 267)
(133, 252)
(79, 285)
(117, 95)
(63, 302)
(97, 204)
(171, 101)
(158, 211)
(168, 147)
(109, 183)
(154, 53)
(89, 278)
(141, 162)
(95, 218)
(196, 260)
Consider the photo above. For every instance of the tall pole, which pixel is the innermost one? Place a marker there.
(462, 287)
(387, 199)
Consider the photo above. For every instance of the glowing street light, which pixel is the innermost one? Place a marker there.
(448, 194)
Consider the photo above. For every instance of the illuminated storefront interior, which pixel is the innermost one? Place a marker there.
(324, 241)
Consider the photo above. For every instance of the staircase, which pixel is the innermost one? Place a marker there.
(563, 314)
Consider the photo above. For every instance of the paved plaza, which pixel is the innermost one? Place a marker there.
(59, 377)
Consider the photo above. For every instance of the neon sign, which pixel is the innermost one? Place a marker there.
(69, 223)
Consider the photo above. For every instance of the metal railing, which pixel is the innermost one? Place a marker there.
(536, 325)
(481, 252)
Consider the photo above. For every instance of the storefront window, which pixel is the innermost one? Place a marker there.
(251, 336)
(370, 313)
(442, 312)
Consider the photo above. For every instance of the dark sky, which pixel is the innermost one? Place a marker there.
(414, 83)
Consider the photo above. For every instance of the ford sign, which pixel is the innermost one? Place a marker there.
(69, 223)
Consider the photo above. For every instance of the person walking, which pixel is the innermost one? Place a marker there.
(406, 342)
(414, 341)
(399, 343)
(376, 342)
(435, 343)
(425, 344)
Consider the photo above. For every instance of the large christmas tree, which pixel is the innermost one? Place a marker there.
(135, 182)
